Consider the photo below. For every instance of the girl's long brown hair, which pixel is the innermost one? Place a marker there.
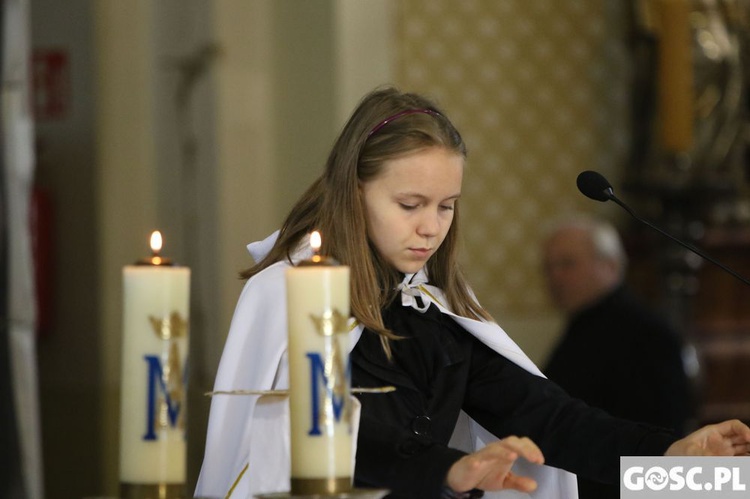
(333, 205)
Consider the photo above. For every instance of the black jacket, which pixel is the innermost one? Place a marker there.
(439, 369)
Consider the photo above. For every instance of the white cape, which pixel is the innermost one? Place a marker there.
(247, 445)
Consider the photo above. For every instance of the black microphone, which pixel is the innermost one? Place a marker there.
(593, 185)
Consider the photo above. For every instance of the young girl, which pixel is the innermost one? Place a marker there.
(388, 206)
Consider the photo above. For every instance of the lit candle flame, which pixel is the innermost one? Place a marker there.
(156, 242)
(315, 241)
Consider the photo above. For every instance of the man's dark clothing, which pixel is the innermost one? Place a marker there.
(621, 357)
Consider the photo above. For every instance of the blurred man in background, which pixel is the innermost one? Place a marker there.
(615, 353)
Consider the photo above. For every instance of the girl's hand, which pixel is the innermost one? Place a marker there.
(489, 467)
(730, 438)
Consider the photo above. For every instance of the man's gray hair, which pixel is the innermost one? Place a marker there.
(604, 236)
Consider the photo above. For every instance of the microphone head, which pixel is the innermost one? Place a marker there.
(593, 185)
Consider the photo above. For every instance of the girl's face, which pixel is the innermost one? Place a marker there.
(409, 206)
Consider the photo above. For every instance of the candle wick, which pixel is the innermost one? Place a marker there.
(316, 254)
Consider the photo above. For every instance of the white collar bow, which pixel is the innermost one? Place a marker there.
(412, 294)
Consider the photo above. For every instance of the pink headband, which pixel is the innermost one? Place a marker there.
(399, 115)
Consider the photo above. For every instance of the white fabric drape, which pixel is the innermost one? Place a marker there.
(18, 158)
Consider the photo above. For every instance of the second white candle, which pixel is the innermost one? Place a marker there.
(320, 406)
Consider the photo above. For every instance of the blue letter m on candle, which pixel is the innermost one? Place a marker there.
(165, 395)
(333, 402)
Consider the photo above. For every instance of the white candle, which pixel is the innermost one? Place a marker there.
(154, 357)
(319, 385)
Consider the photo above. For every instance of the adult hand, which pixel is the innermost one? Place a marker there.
(489, 467)
(730, 438)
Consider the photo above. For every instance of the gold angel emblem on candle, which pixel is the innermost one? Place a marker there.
(329, 324)
(172, 326)
(170, 399)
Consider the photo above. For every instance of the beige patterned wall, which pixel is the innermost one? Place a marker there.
(539, 90)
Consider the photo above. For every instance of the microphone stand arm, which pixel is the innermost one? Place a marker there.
(690, 247)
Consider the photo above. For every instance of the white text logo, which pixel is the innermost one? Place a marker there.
(656, 478)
